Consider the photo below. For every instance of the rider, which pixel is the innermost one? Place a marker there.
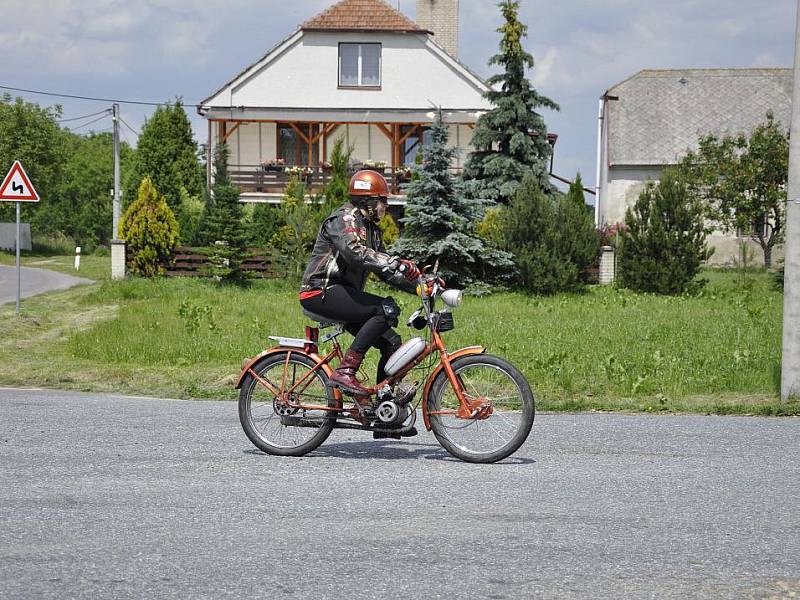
(348, 248)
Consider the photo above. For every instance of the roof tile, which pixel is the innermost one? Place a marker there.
(661, 113)
(361, 15)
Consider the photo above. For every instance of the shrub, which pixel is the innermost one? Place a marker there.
(190, 214)
(532, 232)
(665, 240)
(291, 245)
(390, 230)
(150, 230)
(577, 236)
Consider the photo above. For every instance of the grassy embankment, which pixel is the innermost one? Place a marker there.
(607, 350)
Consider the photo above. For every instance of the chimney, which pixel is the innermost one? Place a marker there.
(440, 17)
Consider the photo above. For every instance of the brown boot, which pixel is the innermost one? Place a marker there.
(345, 377)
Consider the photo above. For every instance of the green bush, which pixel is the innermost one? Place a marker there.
(299, 222)
(190, 214)
(665, 240)
(150, 229)
(390, 230)
(550, 239)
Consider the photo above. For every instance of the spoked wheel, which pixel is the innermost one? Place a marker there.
(270, 422)
(502, 409)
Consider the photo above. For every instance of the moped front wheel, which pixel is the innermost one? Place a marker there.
(504, 407)
(273, 424)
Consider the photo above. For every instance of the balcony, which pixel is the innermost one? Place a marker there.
(261, 179)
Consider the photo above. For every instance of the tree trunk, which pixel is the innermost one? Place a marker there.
(767, 256)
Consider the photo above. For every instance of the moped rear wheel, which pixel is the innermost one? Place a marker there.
(273, 425)
(495, 434)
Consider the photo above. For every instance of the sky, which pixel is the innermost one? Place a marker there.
(157, 50)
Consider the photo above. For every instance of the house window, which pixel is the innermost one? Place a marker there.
(294, 148)
(418, 138)
(360, 65)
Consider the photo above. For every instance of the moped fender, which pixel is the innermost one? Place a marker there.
(469, 350)
(281, 350)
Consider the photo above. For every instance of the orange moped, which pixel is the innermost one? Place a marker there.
(479, 407)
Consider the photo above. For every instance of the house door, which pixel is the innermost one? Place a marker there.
(296, 149)
(419, 139)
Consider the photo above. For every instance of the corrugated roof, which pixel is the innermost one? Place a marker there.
(361, 15)
(661, 113)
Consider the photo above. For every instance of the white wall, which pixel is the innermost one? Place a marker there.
(413, 75)
(622, 190)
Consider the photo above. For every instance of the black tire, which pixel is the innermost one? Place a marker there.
(254, 397)
(517, 416)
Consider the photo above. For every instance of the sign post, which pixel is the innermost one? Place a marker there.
(17, 187)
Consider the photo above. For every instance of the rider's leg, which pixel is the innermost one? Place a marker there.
(367, 320)
(388, 344)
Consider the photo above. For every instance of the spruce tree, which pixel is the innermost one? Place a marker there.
(665, 240)
(511, 139)
(223, 227)
(440, 221)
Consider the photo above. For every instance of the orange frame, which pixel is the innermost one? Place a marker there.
(469, 408)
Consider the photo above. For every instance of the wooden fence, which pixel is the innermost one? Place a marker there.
(194, 262)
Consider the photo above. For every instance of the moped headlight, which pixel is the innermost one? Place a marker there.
(452, 297)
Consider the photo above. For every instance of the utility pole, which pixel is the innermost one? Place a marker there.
(117, 245)
(115, 118)
(790, 361)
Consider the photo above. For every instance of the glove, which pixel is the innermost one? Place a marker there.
(409, 270)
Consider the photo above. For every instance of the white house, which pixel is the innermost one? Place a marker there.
(359, 70)
(652, 118)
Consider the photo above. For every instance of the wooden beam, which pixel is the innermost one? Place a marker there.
(230, 133)
(300, 132)
(385, 131)
(414, 129)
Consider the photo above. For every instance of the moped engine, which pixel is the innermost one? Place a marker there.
(390, 413)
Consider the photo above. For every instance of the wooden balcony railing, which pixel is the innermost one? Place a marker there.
(273, 180)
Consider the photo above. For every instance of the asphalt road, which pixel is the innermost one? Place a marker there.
(33, 281)
(117, 497)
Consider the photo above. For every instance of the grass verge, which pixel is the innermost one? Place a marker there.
(608, 349)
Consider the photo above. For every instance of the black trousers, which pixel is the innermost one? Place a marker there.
(364, 318)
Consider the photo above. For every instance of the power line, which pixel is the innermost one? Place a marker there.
(90, 122)
(136, 133)
(6, 87)
(106, 111)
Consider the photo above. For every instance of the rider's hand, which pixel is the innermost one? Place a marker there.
(409, 270)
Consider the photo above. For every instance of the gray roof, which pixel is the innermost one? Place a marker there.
(661, 113)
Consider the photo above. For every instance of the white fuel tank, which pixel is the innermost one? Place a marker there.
(404, 355)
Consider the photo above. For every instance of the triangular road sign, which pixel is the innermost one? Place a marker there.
(17, 187)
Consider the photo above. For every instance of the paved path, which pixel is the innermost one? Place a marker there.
(33, 281)
(117, 497)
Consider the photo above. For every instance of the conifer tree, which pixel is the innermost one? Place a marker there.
(665, 240)
(511, 139)
(223, 226)
(440, 220)
(167, 153)
(578, 238)
(150, 229)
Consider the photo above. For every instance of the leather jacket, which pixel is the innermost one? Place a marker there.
(348, 248)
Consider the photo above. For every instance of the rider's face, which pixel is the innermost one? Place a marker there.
(380, 209)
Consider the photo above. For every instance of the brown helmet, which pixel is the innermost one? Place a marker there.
(368, 184)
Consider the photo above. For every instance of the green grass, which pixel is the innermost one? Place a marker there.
(607, 349)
